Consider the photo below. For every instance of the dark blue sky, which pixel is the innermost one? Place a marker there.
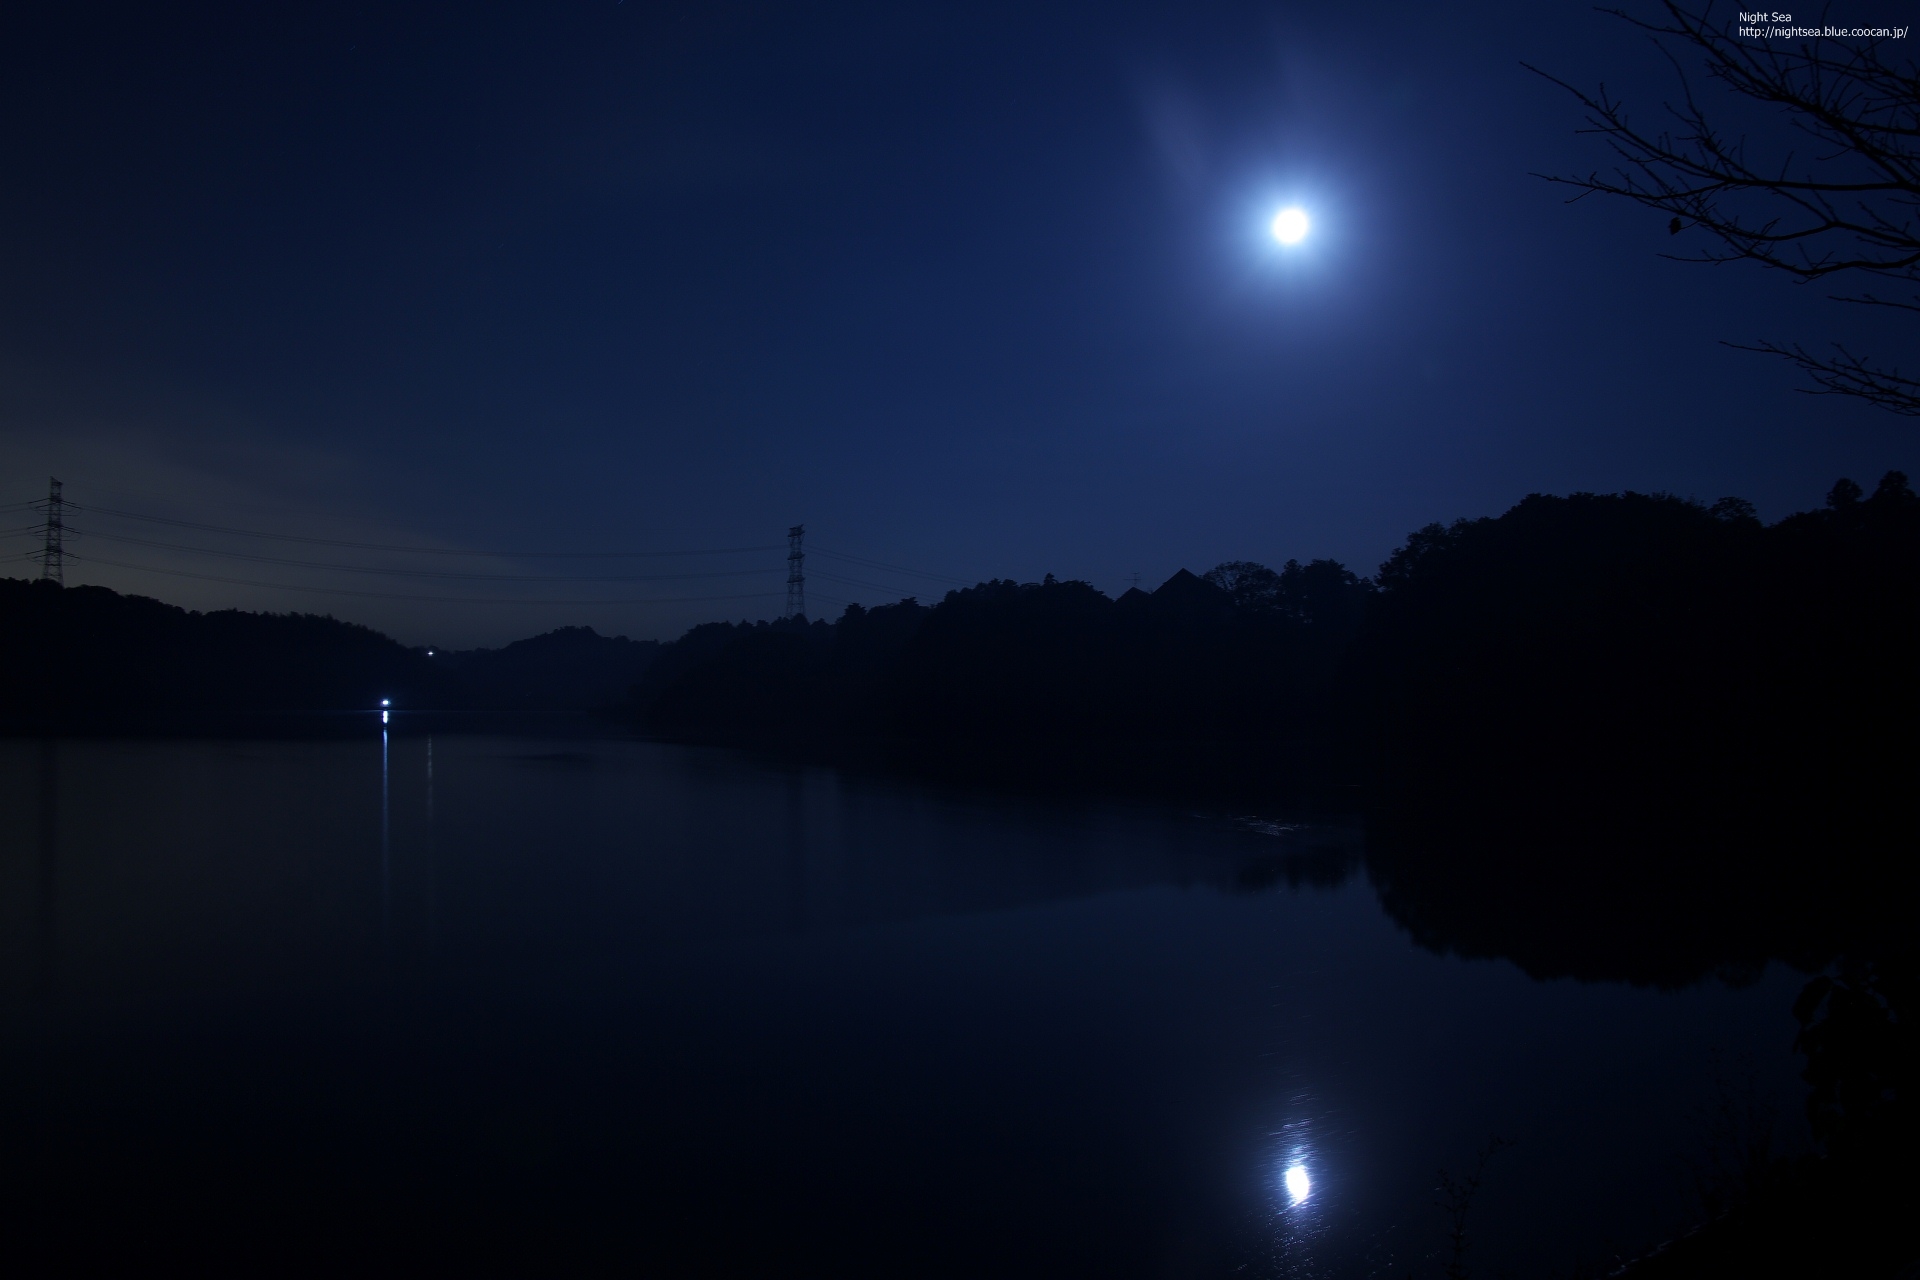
(982, 291)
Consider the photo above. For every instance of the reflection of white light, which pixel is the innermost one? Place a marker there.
(1290, 225)
(383, 717)
(1298, 1184)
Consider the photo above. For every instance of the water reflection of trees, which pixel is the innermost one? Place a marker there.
(1654, 896)
(1651, 902)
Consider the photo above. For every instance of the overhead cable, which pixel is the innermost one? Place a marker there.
(878, 564)
(856, 582)
(395, 595)
(425, 551)
(432, 573)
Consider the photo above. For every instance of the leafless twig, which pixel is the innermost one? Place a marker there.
(1845, 202)
(1456, 1196)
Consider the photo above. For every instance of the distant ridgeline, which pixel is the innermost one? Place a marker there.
(571, 669)
(87, 655)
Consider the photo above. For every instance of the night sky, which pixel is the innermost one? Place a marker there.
(976, 290)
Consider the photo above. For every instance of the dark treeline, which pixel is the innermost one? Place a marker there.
(1683, 739)
(1649, 647)
(81, 656)
(1653, 648)
(1639, 739)
(1608, 736)
(1243, 664)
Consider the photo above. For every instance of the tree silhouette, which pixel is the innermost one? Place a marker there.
(1842, 205)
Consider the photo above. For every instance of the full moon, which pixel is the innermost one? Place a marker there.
(1290, 225)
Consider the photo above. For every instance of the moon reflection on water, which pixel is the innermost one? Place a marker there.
(1294, 1236)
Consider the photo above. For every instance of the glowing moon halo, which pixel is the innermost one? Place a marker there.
(1290, 225)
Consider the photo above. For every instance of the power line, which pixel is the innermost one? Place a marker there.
(856, 582)
(395, 595)
(425, 551)
(456, 551)
(876, 564)
(54, 554)
(429, 573)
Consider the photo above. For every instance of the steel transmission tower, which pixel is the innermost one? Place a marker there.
(53, 555)
(796, 572)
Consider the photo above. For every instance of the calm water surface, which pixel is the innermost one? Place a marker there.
(433, 1003)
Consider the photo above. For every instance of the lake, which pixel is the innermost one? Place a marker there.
(406, 999)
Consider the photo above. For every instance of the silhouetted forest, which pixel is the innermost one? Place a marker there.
(1634, 738)
(76, 656)
(1243, 663)
(1612, 736)
(1647, 647)
(1650, 647)
(1680, 740)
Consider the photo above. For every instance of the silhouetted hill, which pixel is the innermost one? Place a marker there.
(571, 669)
(88, 651)
(73, 655)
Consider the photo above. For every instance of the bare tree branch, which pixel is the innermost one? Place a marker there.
(1845, 374)
(1847, 203)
